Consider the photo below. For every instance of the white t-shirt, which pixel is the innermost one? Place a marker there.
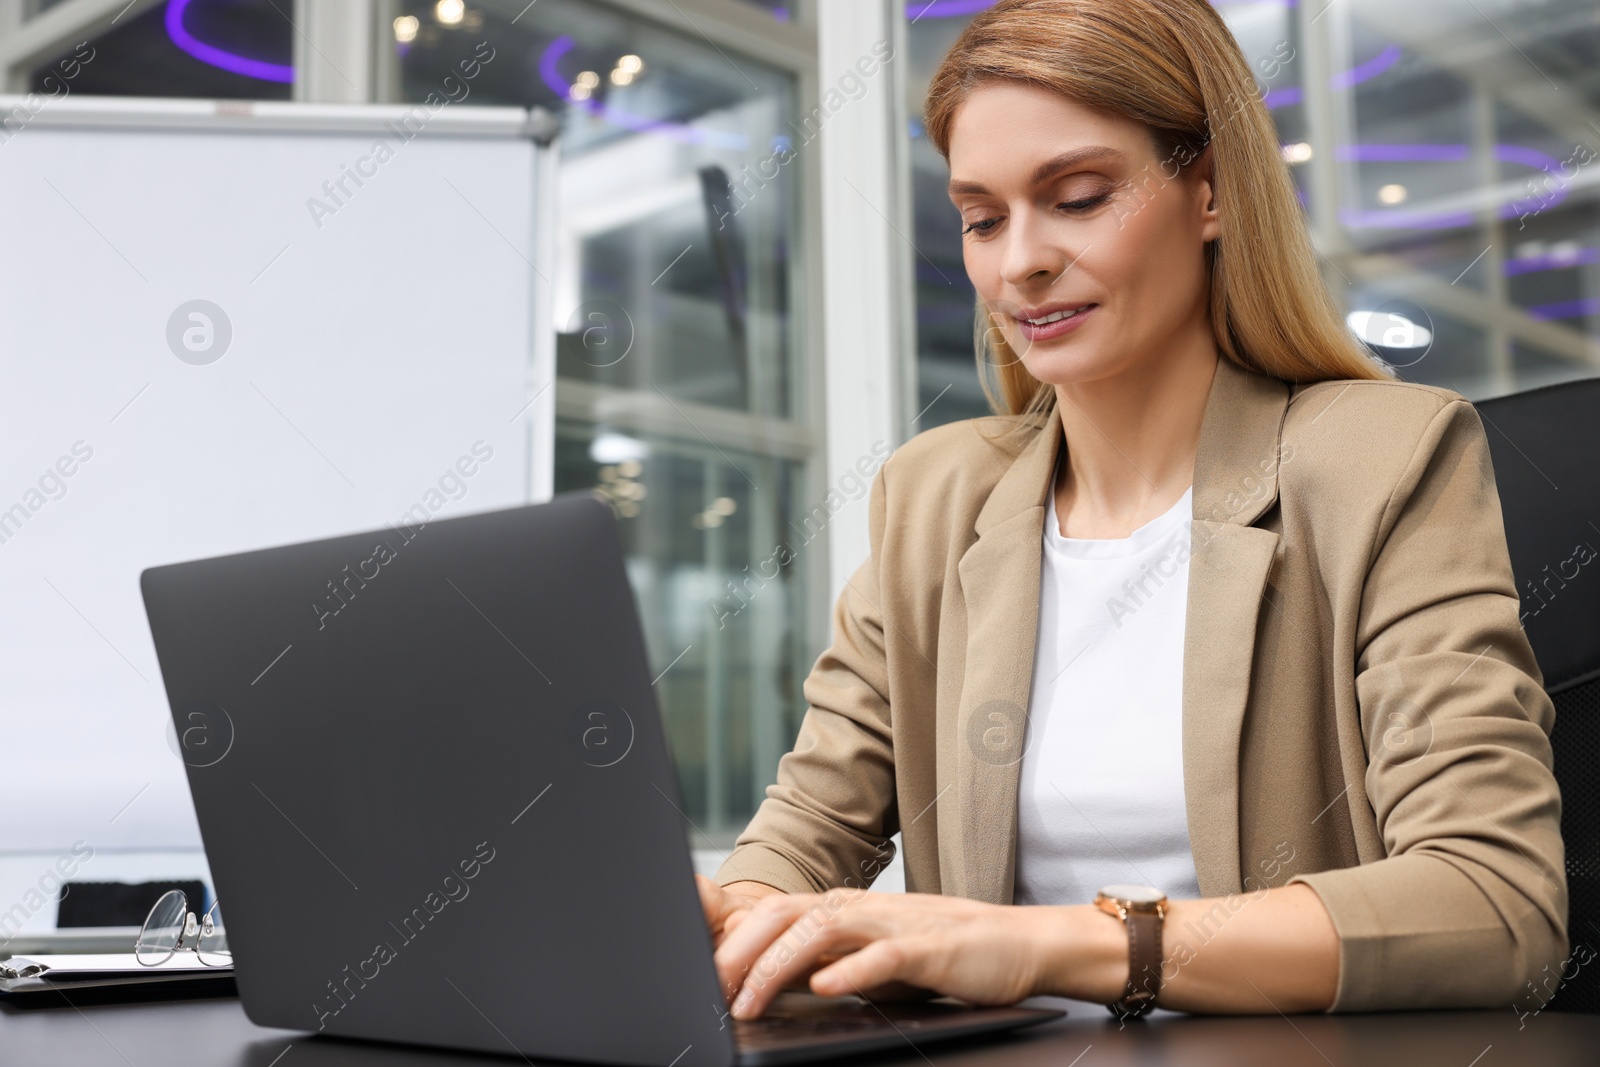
(1101, 794)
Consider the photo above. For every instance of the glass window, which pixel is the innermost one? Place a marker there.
(676, 205)
(38, 7)
(680, 393)
(215, 49)
(1466, 178)
(947, 376)
(1468, 193)
(716, 547)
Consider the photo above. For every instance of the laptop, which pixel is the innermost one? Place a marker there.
(435, 792)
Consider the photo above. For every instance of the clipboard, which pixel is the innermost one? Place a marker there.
(58, 981)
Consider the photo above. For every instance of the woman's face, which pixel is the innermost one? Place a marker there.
(1063, 207)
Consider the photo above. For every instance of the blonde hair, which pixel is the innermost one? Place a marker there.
(1173, 66)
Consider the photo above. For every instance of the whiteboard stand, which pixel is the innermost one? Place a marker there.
(544, 128)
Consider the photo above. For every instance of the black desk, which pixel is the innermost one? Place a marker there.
(216, 1032)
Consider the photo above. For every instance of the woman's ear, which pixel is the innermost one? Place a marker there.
(1205, 195)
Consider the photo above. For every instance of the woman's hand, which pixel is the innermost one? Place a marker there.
(726, 905)
(872, 942)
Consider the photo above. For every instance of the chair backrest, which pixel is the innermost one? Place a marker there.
(1545, 445)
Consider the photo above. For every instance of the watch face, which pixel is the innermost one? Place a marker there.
(1134, 894)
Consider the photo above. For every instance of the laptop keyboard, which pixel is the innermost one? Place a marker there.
(780, 1025)
(796, 1027)
(807, 1025)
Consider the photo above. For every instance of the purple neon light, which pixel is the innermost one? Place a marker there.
(216, 57)
(1345, 79)
(1348, 79)
(950, 9)
(947, 9)
(1568, 309)
(1286, 97)
(1579, 257)
(550, 74)
(1357, 219)
(1403, 153)
(1528, 157)
(549, 69)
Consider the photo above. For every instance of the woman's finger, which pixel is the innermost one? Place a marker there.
(776, 945)
(796, 952)
(758, 929)
(711, 900)
(731, 923)
(750, 936)
(900, 961)
(722, 909)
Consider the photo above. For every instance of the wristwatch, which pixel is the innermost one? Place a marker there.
(1142, 909)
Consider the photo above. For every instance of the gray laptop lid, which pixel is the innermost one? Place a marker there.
(432, 783)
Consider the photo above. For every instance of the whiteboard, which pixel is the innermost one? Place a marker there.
(224, 327)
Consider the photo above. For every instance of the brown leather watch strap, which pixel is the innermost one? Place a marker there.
(1144, 963)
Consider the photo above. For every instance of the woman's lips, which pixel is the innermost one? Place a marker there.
(1056, 329)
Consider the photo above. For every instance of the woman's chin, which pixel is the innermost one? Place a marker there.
(1069, 366)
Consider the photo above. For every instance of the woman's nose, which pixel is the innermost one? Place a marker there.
(1032, 254)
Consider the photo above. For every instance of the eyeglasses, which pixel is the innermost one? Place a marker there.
(171, 927)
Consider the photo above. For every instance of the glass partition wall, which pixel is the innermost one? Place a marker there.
(682, 393)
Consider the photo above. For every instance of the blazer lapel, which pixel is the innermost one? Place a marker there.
(1000, 582)
(1236, 481)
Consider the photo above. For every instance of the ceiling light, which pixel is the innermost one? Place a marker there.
(450, 12)
(1392, 194)
(1389, 329)
(405, 28)
(621, 449)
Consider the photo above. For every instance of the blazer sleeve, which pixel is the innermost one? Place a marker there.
(828, 819)
(1469, 903)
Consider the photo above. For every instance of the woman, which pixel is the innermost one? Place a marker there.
(1212, 603)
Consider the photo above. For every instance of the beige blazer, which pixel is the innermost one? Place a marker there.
(1361, 709)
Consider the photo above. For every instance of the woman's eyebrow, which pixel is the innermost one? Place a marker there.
(1046, 170)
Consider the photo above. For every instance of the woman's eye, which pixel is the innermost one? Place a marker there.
(1086, 205)
(984, 226)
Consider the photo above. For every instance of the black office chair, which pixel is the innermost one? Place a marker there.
(1545, 446)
